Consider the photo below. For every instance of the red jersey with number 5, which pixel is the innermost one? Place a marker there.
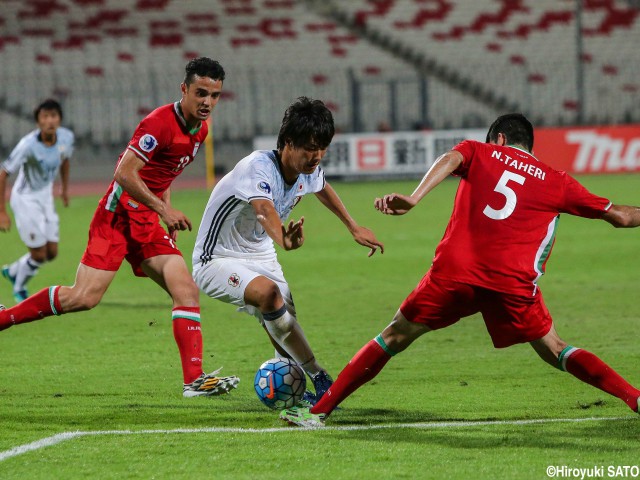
(163, 141)
(505, 217)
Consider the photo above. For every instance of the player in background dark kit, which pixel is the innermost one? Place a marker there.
(492, 254)
(37, 159)
(125, 225)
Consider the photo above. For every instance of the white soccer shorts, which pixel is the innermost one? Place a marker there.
(36, 219)
(227, 278)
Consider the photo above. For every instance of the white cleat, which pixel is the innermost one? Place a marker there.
(208, 384)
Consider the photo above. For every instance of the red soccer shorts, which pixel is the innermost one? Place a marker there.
(135, 236)
(509, 319)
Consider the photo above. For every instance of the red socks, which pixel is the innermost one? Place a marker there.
(364, 366)
(372, 358)
(590, 369)
(40, 305)
(188, 335)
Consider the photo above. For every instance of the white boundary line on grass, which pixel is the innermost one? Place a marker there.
(64, 436)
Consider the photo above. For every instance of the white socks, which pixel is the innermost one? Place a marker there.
(23, 269)
(289, 335)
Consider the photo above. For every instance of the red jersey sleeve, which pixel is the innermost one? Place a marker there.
(468, 149)
(577, 200)
(150, 136)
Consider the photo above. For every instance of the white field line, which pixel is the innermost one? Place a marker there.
(64, 436)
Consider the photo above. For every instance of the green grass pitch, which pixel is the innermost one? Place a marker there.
(449, 407)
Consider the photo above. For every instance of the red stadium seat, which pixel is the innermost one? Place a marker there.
(320, 27)
(151, 4)
(44, 59)
(125, 57)
(275, 4)
(37, 32)
(41, 10)
(165, 39)
(94, 71)
(379, 8)
(570, 105)
(244, 42)
(536, 78)
(319, 79)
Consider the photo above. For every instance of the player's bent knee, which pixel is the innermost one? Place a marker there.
(269, 297)
(39, 257)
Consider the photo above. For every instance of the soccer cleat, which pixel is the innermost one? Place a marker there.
(7, 275)
(302, 417)
(308, 400)
(208, 384)
(321, 382)
(20, 295)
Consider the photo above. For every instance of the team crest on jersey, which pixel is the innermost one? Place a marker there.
(234, 280)
(147, 142)
(264, 187)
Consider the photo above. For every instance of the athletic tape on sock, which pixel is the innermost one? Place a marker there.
(53, 294)
(270, 316)
(564, 356)
(190, 313)
(384, 346)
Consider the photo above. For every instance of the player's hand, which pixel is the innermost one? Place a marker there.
(293, 235)
(5, 222)
(394, 204)
(367, 238)
(175, 220)
(65, 198)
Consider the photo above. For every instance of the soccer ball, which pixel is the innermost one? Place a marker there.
(280, 383)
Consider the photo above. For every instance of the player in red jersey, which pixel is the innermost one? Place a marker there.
(493, 251)
(125, 226)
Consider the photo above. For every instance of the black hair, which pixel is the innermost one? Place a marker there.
(203, 67)
(307, 123)
(48, 104)
(515, 127)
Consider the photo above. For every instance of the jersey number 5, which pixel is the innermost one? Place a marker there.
(510, 196)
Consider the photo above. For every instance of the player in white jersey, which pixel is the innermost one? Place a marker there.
(234, 259)
(37, 159)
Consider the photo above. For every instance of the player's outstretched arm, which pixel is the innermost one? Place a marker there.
(398, 204)
(623, 216)
(5, 220)
(362, 235)
(128, 177)
(289, 237)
